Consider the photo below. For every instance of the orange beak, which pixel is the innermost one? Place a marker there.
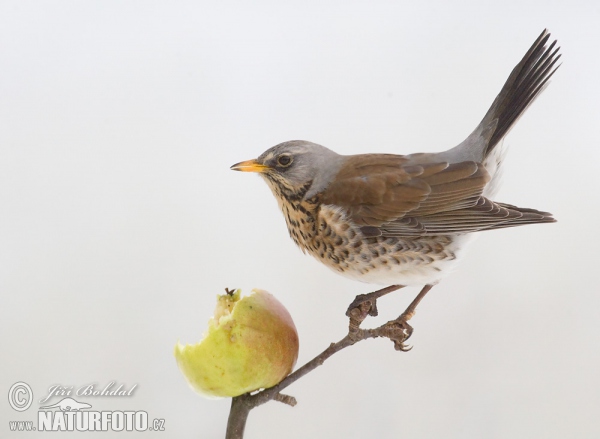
(250, 166)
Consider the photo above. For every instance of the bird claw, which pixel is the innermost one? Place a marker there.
(365, 304)
(399, 331)
(399, 346)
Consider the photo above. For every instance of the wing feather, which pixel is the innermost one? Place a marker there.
(391, 195)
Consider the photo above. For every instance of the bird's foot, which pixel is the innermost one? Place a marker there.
(363, 305)
(399, 331)
(367, 303)
(357, 314)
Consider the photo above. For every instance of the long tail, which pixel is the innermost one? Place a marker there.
(523, 85)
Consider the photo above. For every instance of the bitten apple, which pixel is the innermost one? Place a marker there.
(251, 343)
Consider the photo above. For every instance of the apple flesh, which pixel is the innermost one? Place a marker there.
(251, 343)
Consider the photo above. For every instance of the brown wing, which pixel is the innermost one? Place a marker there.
(390, 195)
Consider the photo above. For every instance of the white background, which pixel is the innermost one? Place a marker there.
(120, 220)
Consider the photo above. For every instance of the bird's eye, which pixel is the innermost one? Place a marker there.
(284, 160)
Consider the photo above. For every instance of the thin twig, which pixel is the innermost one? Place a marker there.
(286, 399)
(396, 330)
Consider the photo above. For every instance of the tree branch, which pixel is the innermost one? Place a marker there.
(399, 331)
(238, 415)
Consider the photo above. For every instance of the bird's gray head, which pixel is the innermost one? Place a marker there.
(295, 169)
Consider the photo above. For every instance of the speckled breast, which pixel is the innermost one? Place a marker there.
(325, 233)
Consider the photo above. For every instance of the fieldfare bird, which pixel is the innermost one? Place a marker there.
(404, 219)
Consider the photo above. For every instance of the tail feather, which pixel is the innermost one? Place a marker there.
(524, 84)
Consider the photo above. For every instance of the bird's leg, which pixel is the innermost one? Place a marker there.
(409, 312)
(400, 330)
(367, 303)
